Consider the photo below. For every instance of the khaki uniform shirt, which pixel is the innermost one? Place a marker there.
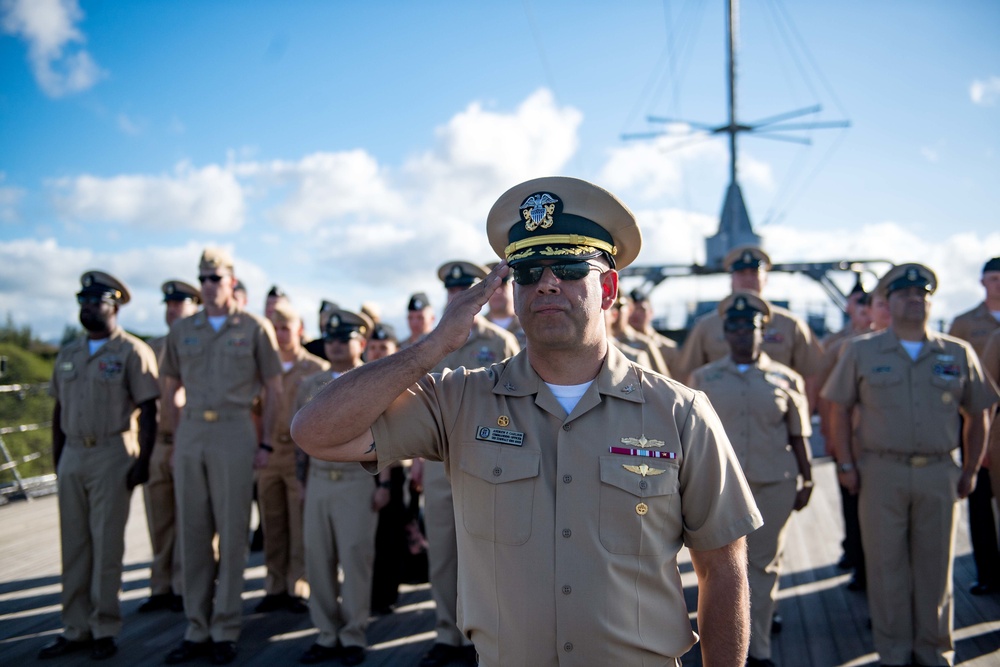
(307, 390)
(221, 370)
(566, 555)
(668, 349)
(787, 340)
(487, 344)
(975, 327)
(99, 393)
(905, 406)
(305, 365)
(761, 408)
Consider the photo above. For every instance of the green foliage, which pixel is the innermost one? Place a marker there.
(33, 406)
(23, 338)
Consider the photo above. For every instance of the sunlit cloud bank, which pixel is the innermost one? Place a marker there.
(985, 92)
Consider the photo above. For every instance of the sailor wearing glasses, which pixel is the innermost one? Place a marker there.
(101, 383)
(577, 475)
(222, 356)
(763, 406)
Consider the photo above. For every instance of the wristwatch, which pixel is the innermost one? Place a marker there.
(845, 467)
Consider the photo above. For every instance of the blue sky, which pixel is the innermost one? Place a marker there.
(344, 150)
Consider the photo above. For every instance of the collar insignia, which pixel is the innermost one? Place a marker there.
(537, 211)
(508, 386)
(628, 389)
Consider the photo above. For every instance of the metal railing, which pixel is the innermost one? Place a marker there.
(10, 462)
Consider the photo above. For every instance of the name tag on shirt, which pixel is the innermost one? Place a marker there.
(500, 436)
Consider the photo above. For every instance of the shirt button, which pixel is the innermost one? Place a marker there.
(567, 427)
(643, 484)
(567, 532)
(568, 646)
(567, 590)
(497, 472)
(567, 478)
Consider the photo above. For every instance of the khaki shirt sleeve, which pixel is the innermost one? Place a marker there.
(807, 352)
(841, 387)
(980, 392)
(266, 351)
(169, 363)
(142, 373)
(797, 417)
(991, 357)
(716, 502)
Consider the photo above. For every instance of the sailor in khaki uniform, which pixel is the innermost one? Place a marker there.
(640, 317)
(279, 493)
(787, 339)
(909, 385)
(486, 345)
(975, 327)
(419, 318)
(222, 356)
(762, 405)
(100, 383)
(991, 366)
(577, 475)
(165, 582)
(341, 516)
(622, 331)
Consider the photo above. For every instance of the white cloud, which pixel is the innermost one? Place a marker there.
(985, 92)
(128, 125)
(663, 166)
(59, 62)
(209, 199)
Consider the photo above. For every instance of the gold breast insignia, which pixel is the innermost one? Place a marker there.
(643, 470)
(642, 442)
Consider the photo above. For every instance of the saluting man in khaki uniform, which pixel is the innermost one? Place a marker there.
(577, 475)
(341, 516)
(486, 345)
(763, 406)
(100, 382)
(909, 385)
(222, 356)
(165, 578)
(279, 493)
(975, 327)
(787, 339)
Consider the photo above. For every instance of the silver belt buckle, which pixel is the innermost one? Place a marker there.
(919, 461)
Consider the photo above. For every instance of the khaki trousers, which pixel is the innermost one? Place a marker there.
(340, 529)
(442, 552)
(93, 510)
(161, 518)
(764, 548)
(213, 474)
(908, 517)
(280, 505)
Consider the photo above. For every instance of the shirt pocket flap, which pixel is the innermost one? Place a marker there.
(660, 479)
(499, 464)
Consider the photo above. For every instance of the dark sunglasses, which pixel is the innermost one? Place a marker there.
(733, 326)
(212, 278)
(93, 299)
(529, 275)
(341, 337)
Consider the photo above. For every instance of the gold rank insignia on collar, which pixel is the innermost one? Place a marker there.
(642, 442)
(643, 470)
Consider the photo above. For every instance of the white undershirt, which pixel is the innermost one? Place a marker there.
(995, 314)
(743, 368)
(95, 345)
(503, 322)
(569, 395)
(287, 365)
(912, 347)
(217, 321)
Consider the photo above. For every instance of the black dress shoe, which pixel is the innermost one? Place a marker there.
(759, 662)
(156, 603)
(271, 603)
(188, 651)
(777, 623)
(439, 655)
(223, 653)
(845, 563)
(319, 653)
(61, 646)
(176, 602)
(296, 605)
(857, 584)
(468, 655)
(352, 655)
(980, 588)
(103, 648)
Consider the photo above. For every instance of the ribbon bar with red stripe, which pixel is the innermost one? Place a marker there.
(628, 451)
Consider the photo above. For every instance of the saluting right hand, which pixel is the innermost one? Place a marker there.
(460, 314)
